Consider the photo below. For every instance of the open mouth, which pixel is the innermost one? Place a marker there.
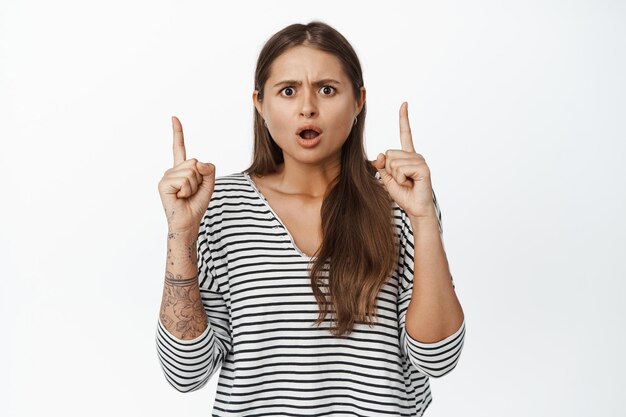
(308, 134)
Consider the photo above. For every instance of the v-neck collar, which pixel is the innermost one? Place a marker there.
(262, 197)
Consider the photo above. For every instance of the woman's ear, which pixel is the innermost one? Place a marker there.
(256, 102)
(361, 99)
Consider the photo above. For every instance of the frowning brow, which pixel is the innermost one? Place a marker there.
(316, 83)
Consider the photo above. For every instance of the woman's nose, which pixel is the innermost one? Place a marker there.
(309, 105)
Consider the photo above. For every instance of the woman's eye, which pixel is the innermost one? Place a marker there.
(326, 88)
(288, 89)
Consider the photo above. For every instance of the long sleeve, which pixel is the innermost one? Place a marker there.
(189, 364)
(437, 358)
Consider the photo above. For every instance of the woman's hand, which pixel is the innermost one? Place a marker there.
(186, 188)
(406, 175)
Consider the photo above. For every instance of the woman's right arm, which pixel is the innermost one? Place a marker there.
(192, 337)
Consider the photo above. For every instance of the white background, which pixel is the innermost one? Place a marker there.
(518, 108)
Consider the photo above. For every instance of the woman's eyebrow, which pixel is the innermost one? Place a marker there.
(316, 83)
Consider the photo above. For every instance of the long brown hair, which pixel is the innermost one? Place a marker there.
(358, 248)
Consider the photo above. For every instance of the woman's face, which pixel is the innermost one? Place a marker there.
(307, 86)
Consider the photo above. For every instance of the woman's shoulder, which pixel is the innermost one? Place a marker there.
(230, 181)
(230, 185)
(234, 177)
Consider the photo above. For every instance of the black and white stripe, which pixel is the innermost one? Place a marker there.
(256, 292)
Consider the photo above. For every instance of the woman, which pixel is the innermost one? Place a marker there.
(307, 291)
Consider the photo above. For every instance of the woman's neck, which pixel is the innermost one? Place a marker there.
(306, 179)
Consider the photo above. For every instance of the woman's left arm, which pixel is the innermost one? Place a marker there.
(434, 311)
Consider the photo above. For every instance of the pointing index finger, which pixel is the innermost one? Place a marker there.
(405, 129)
(179, 141)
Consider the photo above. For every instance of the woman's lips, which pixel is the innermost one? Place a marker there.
(308, 143)
(309, 126)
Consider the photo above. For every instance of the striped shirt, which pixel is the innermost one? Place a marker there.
(273, 361)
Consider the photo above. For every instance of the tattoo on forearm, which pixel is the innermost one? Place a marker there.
(181, 308)
(191, 249)
(187, 253)
(178, 280)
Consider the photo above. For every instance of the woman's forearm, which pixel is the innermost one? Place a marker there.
(182, 312)
(434, 311)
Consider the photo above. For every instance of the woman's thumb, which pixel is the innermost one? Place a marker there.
(208, 176)
(379, 162)
(206, 169)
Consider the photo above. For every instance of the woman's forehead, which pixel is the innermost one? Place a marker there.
(306, 64)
